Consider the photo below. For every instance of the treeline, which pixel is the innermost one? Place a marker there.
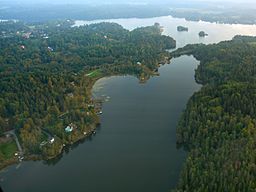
(218, 127)
(234, 15)
(43, 70)
(74, 48)
(45, 12)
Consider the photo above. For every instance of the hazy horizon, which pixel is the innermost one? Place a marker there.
(41, 10)
(97, 2)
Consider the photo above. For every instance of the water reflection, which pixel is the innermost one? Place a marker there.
(68, 148)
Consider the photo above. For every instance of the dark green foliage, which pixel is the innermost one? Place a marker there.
(43, 74)
(219, 125)
(79, 47)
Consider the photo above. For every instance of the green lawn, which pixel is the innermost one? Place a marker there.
(8, 149)
(94, 73)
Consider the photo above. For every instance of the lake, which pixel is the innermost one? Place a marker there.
(135, 147)
(217, 32)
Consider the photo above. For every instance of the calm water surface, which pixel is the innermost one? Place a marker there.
(134, 149)
(217, 32)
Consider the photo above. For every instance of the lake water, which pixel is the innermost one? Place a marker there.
(135, 147)
(217, 32)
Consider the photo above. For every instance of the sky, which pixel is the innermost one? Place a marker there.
(119, 1)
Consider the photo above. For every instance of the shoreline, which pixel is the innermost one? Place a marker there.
(143, 76)
(35, 157)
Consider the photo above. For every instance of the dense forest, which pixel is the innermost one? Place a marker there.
(218, 127)
(47, 71)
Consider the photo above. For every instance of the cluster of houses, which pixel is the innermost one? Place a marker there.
(70, 128)
(45, 36)
(49, 48)
(19, 156)
(27, 35)
(97, 106)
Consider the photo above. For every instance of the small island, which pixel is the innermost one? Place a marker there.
(181, 28)
(202, 34)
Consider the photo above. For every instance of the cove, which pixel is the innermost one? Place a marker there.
(135, 147)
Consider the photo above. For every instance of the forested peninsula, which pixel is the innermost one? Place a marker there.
(218, 127)
(47, 71)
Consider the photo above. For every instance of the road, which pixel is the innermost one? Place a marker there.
(12, 132)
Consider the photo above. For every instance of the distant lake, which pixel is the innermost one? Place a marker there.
(217, 32)
(134, 150)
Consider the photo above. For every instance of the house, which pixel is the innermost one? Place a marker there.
(71, 95)
(90, 105)
(99, 113)
(70, 128)
(52, 140)
(22, 47)
(138, 63)
(50, 49)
